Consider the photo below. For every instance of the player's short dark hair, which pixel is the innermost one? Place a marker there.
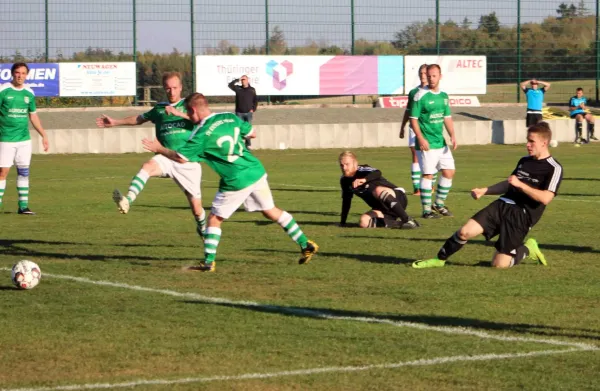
(579, 89)
(349, 154)
(542, 128)
(170, 75)
(432, 66)
(194, 99)
(423, 66)
(18, 65)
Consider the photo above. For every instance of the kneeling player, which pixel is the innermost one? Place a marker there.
(388, 202)
(532, 185)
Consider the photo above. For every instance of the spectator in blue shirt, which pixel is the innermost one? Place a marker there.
(535, 99)
(577, 107)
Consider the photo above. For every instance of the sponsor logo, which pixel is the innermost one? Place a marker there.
(401, 101)
(17, 111)
(173, 125)
(279, 73)
(26, 99)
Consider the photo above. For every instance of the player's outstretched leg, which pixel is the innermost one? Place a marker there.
(135, 188)
(308, 248)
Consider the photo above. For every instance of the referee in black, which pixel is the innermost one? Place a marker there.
(388, 202)
(246, 100)
(532, 185)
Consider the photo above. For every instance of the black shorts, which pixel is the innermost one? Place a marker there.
(533, 118)
(388, 215)
(510, 222)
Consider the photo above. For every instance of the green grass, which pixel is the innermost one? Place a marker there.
(67, 332)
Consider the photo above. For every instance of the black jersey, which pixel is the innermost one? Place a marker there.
(366, 191)
(542, 174)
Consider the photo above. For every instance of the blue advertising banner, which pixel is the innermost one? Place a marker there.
(43, 78)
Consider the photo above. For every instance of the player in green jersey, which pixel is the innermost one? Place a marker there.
(172, 131)
(218, 140)
(415, 170)
(429, 114)
(17, 108)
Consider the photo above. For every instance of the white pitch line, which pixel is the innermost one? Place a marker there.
(300, 372)
(323, 314)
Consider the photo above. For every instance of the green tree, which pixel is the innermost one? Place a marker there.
(489, 23)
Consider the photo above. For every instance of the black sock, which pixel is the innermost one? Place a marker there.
(578, 129)
(452, 245)
(392, 203)
(520, 253)
(590, 129)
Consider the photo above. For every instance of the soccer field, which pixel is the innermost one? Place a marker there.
(115, 310)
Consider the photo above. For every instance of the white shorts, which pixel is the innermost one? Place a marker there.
(17, 153)
(254, 197)
(412, 137)
(435, 160)
(187, 175)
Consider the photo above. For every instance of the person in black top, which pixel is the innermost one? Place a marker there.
(246, 100)
(387, 201)
(532, 185)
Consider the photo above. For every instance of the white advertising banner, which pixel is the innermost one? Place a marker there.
(302, 75)
(97, 79)
(463, 75)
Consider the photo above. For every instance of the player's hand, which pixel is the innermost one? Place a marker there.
(423, 144)
(477, 193)
(152, 145)
(454, 143)
(170, 110)
(45, 144)
(514, 181)
(358, 182)
(401, 135)
(104, 121)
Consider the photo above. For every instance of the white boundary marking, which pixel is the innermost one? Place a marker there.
(311, 371)
(573, 346)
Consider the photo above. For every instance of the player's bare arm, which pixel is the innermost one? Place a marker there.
(37, 125)
(524, 84)
(404, 122)
(423, 143)
(449, 123)
(543, 196)
(545, 84)
(105, 121)
(153, 145)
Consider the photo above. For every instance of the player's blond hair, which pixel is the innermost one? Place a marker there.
(194, 100)
(349, 154)
(541, 128)
(171, 75)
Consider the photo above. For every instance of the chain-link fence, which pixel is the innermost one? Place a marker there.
(555, 41)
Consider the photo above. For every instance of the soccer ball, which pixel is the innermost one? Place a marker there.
(26, 274)
(553, 143)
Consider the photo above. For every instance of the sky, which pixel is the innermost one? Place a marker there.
(164, 25)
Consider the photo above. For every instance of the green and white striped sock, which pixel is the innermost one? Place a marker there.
(415, 174)
(2, 188)
(290, 226)
(23, 190)
(426, 190)
(211, 242)
(442, 190)
(137, 185)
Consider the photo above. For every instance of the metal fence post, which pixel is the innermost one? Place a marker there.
(518, 50)
(46, 22)
(135, 98)
(437, 27)
(267, 38)
(597, 51)
(192, 19)
(352, 37)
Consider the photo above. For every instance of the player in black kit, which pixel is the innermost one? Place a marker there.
(532, 185)
(387, 201)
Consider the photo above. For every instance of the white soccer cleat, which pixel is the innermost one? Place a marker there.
(122, 202)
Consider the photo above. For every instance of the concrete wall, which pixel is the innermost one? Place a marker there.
(122, 140)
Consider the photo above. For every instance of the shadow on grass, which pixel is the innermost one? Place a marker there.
(18, 247)
(8, 288)
(414, 321)
(305, 190)
(371, 258)
(543, 246)
(581, 179)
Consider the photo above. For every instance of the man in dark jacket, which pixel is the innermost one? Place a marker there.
(246, 100)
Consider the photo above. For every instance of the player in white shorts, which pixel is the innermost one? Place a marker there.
(17, 108)
(429, 114)
(173, 131)
(219, 141)
(415, 171)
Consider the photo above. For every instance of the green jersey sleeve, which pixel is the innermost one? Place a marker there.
(447, 112)
(415, 110)
(32, 107)
(151, 115)
(245, 128)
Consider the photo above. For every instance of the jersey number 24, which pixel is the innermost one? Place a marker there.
(233, 142)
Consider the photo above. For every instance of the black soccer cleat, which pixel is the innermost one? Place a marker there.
(442, 210)
(430, 215)
(410, 224)
(25, 211)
